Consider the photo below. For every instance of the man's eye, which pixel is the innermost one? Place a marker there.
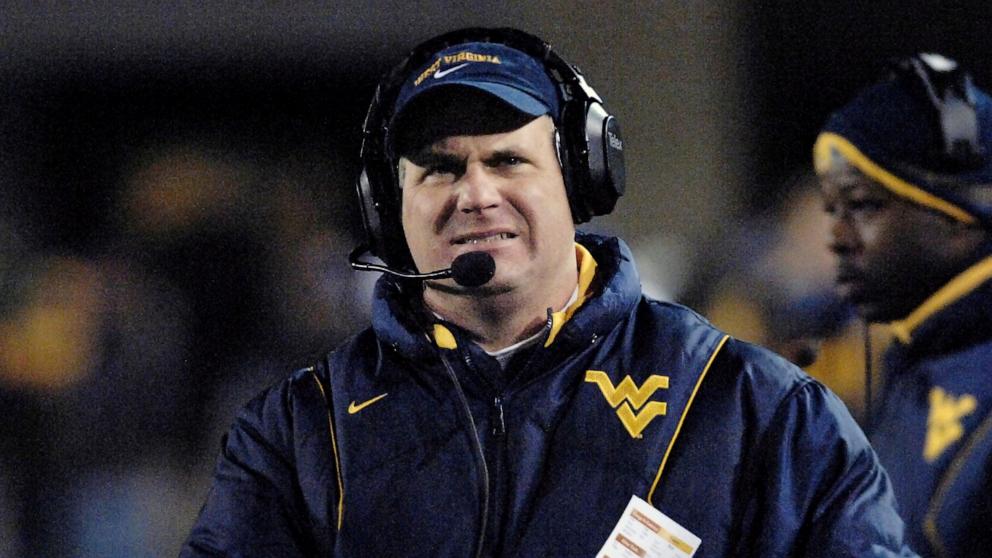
(442, 169)
(506, 161)
(865, 205)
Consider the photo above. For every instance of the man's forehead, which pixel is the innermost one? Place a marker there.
(845, 175)
(524, 135)
(523, 141)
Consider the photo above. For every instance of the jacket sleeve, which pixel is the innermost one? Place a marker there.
(822, 473)
(255, 506)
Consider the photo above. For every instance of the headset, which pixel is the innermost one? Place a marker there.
(948, 91)
(590, 145)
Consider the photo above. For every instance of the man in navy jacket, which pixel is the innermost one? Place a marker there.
(906, 174)
(517, 410)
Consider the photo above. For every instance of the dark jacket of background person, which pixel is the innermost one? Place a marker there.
(938, 402)
(750, 454)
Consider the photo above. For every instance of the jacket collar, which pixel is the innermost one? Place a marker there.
(399, 319)
(958, 314)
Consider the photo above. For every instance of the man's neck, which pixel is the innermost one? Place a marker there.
(502, 319)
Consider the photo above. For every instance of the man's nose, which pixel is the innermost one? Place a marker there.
(478, 190)
(844, 237)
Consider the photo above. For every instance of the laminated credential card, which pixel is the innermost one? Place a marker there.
(645, 532)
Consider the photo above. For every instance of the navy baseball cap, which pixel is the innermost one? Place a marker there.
(507, 74)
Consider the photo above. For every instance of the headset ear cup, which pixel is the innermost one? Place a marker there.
(594, 165)
(565, 146)
(946, 91)
(379, 200)
(605, 160)
(371, 221)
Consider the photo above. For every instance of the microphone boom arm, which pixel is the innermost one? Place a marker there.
(472, 269)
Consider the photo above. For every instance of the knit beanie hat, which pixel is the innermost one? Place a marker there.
(925, 133)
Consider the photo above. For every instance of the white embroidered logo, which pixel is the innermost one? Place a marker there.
(441, 73)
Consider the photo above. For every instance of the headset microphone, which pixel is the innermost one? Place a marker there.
(472, 269)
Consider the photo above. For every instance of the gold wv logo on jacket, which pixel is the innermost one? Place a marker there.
(944, 423)
(627, 398)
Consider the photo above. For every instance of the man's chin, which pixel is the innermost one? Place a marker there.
(869, 312)
(876, 312)
(876, 305)
(866, 306)
(492, 287)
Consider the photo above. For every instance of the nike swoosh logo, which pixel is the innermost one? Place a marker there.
(441, 73)
(354, 408)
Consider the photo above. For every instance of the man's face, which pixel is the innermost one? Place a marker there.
(500, 193)
(891, 253)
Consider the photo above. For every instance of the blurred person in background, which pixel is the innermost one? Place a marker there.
(906, 178)
(120, 364)
(519, 402)
(776, 289)
(94, 389)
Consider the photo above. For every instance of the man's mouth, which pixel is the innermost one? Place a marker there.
(844, 278)
(847, 272)
(474, 239)
(850, 284)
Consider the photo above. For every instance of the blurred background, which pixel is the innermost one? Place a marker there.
(176, 207)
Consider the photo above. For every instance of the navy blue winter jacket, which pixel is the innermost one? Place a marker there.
(409, 441)
(933, 432)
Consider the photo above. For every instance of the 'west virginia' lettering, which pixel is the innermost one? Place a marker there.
(466, 56)
(460, 57)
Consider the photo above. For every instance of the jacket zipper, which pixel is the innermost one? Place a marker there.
(477, 450)
(496, 450)
(499, 425)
